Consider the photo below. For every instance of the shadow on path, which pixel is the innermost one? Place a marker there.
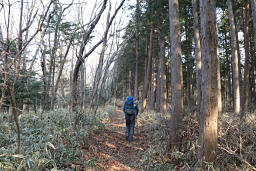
(110, 150)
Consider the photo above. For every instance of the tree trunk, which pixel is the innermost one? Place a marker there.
(153, 84)
(81, 55)
(158, 77)
(98, 74)
(235, 68)
(176, 78)
(253, 7)
(247, 58)
(145, 71)
(137, 51)
(209, 105)
(197, 53)
(219, 82)
(163, 93)
(218, 78)
(61, 67)
(150, 51)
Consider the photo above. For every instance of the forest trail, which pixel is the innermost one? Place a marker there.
(110, 150)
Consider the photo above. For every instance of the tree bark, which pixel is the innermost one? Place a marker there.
(197, 52)
(235, 68)
(149, 74)
(253, 7)
(176, 78)
(219, 82)
(153, 84)
(163, 93)
(98, 74)
(82, 56)
(247, 59)
(209, 105)
(137, 51)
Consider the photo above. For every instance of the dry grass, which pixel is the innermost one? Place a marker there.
(236, 142)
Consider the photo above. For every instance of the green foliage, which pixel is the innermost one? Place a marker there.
(28, 88)
(49, 143)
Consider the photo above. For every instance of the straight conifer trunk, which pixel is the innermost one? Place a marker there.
(148, 69)
(209, 105)
(176, 78)
(163, 93)
(253, 7)
(235, 68)
(247, 58)
(137, 51)
(197, 52)
(218, 78)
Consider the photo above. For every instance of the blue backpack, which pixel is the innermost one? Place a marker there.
(129, 106)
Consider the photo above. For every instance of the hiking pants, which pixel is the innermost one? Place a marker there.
(130, 123)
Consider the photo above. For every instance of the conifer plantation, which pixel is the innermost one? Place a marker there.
(69, 69)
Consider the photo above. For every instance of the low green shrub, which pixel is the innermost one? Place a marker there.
(51, 143)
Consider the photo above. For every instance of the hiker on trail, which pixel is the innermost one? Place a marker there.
(131, 111)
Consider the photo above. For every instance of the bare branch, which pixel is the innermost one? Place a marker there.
(105, 33)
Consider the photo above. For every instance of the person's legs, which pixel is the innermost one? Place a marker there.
(132, 124)
(127, 128)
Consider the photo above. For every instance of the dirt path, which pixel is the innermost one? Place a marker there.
(110, 151)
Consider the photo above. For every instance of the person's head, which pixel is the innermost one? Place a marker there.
(129, 99)
(136, 101)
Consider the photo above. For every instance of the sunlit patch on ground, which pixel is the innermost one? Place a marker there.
(113, 151)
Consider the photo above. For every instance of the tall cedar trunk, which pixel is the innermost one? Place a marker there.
(189, 63)
(247, 58)
(153, 84)
(148, 69)
(136, 91)
(168, 74)
(163, 93)
(209, 105)
(3, 74)
(219, 82)
(176, 78)
(158, 79)
(145, 69)
(218, 79)
(228, 61)
(197, 52)
(130, 84)
(235, 68)
(252, 52)
(159, 76)
(253, 7)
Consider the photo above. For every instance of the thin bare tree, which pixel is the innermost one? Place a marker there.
(13, 61)
(81, 56)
